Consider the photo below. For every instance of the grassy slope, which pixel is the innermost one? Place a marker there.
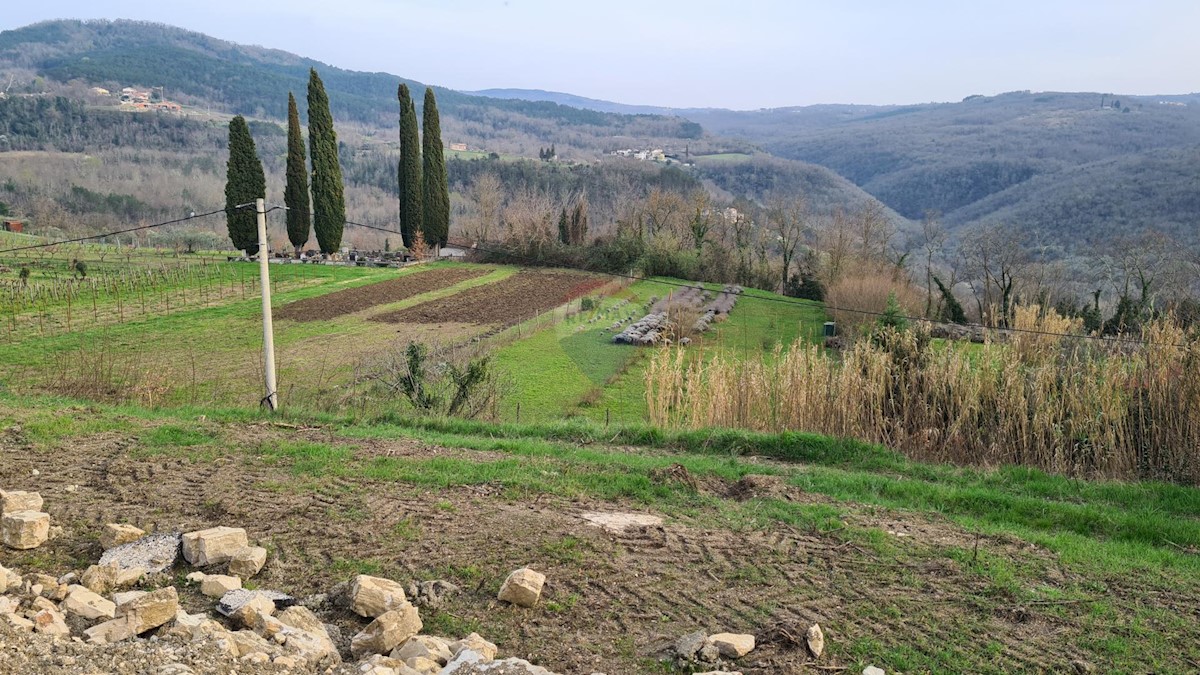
(1112, 544)
(567, 371)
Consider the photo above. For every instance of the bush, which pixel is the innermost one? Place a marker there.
(439, 380)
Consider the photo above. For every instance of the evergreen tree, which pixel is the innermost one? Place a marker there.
(328, 196)
(564, 228)
(295, 194)
(244, 183)
(578, 228)
(410, 168)
(435, 195)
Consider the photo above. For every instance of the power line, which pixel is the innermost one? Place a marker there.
(114, 233)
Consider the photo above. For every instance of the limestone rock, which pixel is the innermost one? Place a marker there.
(815, 638)
(115, 534)
(195, 577)
(306, 636)
(50, 622)
(115, 630)
(250, 613)
(373, 596)
(424, 646)
(732, 645)
(248, 642)
(9, 580)
(689, 645)
(214, 545)
(217, 585)
(523, 587)
(82, 602)
(125, 596)
(48, 587)
(708, 653)
(387, 631)
(150, 610)
(154, 553)
(247, 561)
(19, 500)
(423, 665)
(233, 600)
(25, 529)
(104, 579)
(476, 644)
(472, 663)
(872, 670)
(16, 621)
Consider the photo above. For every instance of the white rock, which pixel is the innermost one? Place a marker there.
(104, 579)
(115, 534)
(115, 630)
(50, 622)
(373, 596)
(872, 670)
(150, 610)
(81, 601)
(522, 587)
(125, 596)
(25, 529)
(216, 585)
(214, 545)
(423, 665)
(387, 631)
(815, 638)
(16, 621)
(424, 646)
(19, 500)
(476, 644)
(247, 561)
(251, 612)
(732, 645)
(195, 577)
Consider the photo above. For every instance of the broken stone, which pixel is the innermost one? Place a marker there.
(247, 561)
(115, 534)
(154, 553)
(233, 600)
(733, 645)
(472, 663)
(617, 522)
(251, 612)
(217, 585)
(373, 596)
(387, 631)
(424, 646)
(110, 631)
(708, 653)
(214, 545)
(523, 587)
(9, 580)
(25, 529)
(423, 665)
(248, 642)
(82, 602)
(150, 610)
(476, 644)
(815, 638)
(872, 670)
(305, 635)
(195, 577)
(19, 500)
(687, 646)
(50, 622)
(106, 578)
(49, 586)
(125, 596)
(15, 621)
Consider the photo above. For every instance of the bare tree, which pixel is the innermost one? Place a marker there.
(933, 241)
(995, 257)
(789, 222)
(487, 196)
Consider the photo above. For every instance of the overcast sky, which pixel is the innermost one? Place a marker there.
(734, 54)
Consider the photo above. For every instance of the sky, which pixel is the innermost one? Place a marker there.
(743, 54)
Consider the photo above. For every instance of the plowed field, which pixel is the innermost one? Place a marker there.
(506, 302)
(351, 300)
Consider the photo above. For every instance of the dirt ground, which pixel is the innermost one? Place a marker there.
(351, 300)
(613, 602)
(507, 302)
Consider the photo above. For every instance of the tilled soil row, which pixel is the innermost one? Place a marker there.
(351, 300)
(505, 303)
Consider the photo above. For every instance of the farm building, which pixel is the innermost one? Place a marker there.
(11, 225)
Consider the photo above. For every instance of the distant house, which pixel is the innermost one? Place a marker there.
(458, 147)
(14, 226)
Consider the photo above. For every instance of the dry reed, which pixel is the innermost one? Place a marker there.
(1062, 404)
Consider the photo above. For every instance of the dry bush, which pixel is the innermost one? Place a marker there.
(869, 292)
(99, 374)
(1065, 405)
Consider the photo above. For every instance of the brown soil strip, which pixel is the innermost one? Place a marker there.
(351, 300)
(506, 302)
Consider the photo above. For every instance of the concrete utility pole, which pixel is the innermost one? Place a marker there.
(272, 398)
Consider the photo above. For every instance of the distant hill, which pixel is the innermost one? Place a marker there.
(1057, 165)
(574, 101)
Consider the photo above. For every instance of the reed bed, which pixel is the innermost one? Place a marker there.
(1062, 404)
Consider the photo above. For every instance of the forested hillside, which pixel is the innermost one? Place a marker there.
(1064, 166)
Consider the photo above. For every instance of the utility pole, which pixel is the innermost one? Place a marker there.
(272, 398)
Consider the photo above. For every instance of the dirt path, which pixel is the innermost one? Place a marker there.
(613, 602)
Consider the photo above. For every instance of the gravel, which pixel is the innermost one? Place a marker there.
(154, 553)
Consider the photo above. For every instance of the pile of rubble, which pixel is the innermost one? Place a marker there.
(97, 622)
(649, 330)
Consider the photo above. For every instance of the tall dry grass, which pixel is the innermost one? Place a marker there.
(869, 291)
(1065, 405)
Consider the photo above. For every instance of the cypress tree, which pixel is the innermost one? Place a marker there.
(435, 194)
(295, 195)
(244, 183)
(328, 196)
(410, 168)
